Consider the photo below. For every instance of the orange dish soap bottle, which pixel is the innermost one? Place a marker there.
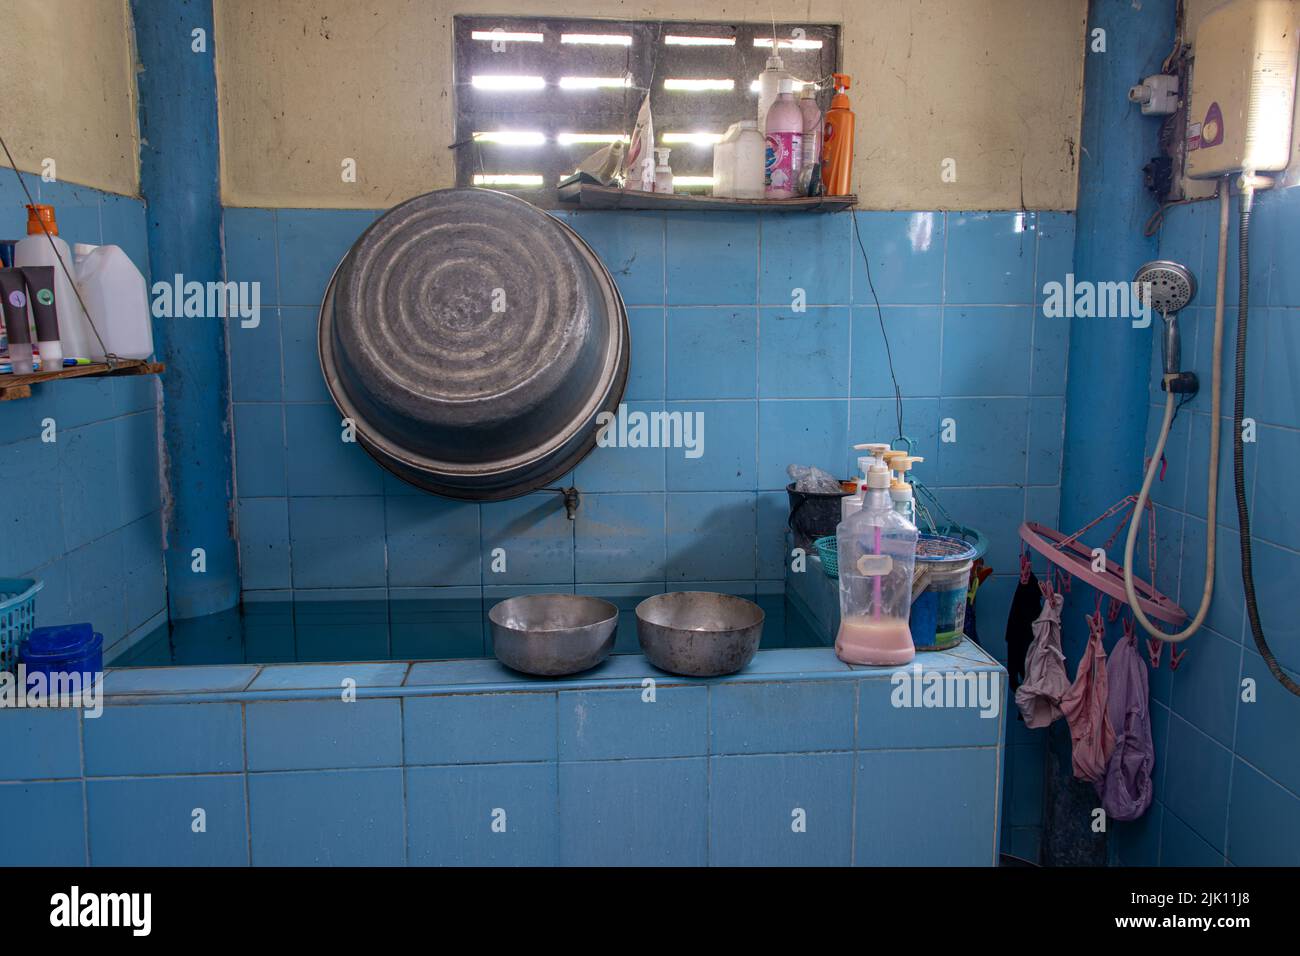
(837, 141)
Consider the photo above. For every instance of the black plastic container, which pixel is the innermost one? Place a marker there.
(813, 515)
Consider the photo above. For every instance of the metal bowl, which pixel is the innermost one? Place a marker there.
(698, 633)
(553, 634)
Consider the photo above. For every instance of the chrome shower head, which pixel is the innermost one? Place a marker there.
(1171, 285)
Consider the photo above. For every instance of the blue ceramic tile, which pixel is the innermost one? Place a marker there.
(619, 538)
(122, 223)
(803, 354)
(782, 718)
(178, 680)
(948, 794)
(317, 735)
(1263, 740)
(905, 250)
(1180, 846)
(710, 536)
(986, 350)
(137, 393)
(990, 258)
(800, 432)
(432, 541)
(712, 258)
(1049, 357)
(1276, 572)
(988, 446)
(303, 379)
(1023, 784)
(630, 464)
(788, 810)
(1207, 685)
(259, 452)
(537, 538)
(634, 813)
(1198, 463)
(137, 465)
(336, 624)
(96, 580)
(435, 623)
(1196, 781)
(806, 253)
(792, 661)
(1274, 341)
(625, 597)
(82, 401)
(337, 542)
(331, 676)
(163, 814)
(726, 457)
(254, 358)
(330, 818)
(914, 336)
(1055, 249)
(52, 830)
(773, 513)
(264, 543)
(76, 209)
(33, 536)
(311, 242)
(1262, 826)
(248, 237)
(876, 419)
(39, 744)
(884, 724)
(712, 353)
(645, 377)
(479, 728)
(623, 724)
(1281, 211)
(1278, 456)
(320, 462)
(1227, 611)
(501, 815)
(88, 471)
(1046, 439)
(165, 738)
(1138, 843)
(631, 244)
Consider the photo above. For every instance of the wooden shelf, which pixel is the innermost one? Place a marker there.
(587, 196)
(20, 386)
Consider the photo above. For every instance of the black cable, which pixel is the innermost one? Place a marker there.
(889, 357)
(1238, 449)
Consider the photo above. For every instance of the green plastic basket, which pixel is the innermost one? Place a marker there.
(17, 615)
(828, 551)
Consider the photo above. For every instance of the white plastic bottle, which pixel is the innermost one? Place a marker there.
(724, 163)
(851, 504)
(663, 172)
(76, 338)
(877, 554)
(115, 293)
(769, 88)
(900, 490)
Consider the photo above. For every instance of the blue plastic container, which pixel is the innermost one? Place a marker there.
(17, 616)
(63, 650)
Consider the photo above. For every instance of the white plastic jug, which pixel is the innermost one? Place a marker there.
(117, 299)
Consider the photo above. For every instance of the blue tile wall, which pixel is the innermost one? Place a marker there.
(466, 763)
(1228, 789)
(91, 521)
(715, 329)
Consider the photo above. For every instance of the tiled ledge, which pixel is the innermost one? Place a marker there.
(254, 682)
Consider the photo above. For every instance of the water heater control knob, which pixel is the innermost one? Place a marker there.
(1158, 95)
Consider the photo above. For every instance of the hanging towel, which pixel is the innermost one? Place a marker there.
(1126, 791)
(1039, 697)
(1084, 706)
(1020, 627)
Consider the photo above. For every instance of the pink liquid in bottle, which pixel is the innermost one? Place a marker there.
(881, 641)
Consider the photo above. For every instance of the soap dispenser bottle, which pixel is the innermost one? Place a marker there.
(850, 504)
(877, 555)
(900, 489)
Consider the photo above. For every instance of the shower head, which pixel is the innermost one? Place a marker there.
(1171, 285)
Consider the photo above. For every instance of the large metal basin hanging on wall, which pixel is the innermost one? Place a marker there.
(473, 340)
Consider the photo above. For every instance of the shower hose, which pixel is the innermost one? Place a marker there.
(1238, 469)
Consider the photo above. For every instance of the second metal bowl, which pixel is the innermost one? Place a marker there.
(699, 633)
(550, 635)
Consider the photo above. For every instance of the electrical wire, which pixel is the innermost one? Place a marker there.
(880, 314)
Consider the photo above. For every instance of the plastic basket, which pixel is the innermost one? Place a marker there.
(17, 615)
(828, 551)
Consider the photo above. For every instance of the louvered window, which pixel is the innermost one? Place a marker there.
(534, 97)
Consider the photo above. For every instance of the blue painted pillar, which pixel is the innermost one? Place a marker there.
(178, 177)
(1110, 361)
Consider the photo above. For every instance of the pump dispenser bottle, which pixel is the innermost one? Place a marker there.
(900, 489)
(851, 504)
(877, 554)
(837, 141)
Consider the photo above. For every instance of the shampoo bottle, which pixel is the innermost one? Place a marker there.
(39, 249)
(769, 88)
(837, 143)
(784, 144)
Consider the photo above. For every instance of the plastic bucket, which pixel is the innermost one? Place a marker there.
(938, 617)
(813, 515)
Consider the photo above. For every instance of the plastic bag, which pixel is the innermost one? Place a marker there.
(810, 479)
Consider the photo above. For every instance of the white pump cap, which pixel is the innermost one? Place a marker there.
(774, 62)
(875, 449)
(878, 478)
(785, 85)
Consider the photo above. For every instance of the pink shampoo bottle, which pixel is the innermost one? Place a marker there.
(784, 144)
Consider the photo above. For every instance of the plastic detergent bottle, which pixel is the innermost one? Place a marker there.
(784, 133)
(900, 489)
(663, 172)
(877, 554)
(116, 295)
(769, 88)
(76, 338)
(851, 504)
(812, 135)
(837, 141)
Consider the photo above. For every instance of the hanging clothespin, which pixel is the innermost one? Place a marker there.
(1176, 657)
(1155, 648)
(1026, 568)
(1113, 609)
